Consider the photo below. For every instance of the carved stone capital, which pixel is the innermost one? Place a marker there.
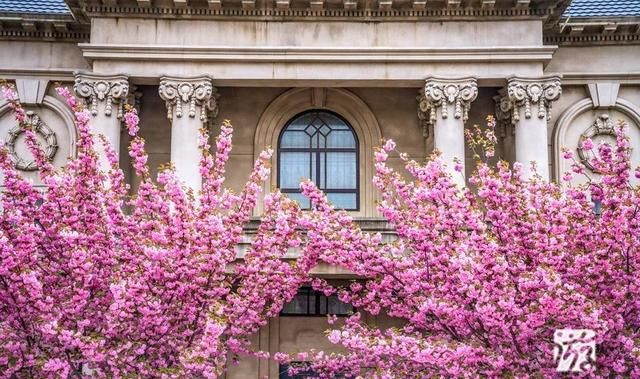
(442, 92)
(95, 88)
(188, 96)
(523, 92)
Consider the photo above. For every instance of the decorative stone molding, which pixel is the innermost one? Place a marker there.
(603, 94)
(582, 31)
(196, 92)
(351, 10)
(441, 92)
(34, 123)
(95, 88)
(523, 92)
(602, 126)
(31, 91)
(57, 28)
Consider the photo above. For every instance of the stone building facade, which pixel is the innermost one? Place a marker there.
(417, 71)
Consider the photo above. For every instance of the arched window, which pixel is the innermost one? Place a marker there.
(321, 146)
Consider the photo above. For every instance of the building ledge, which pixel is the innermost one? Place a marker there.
(320, 9)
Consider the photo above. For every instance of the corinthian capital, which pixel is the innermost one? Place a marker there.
(188, 96)
(523, 92)
(442, 92)
(96, 88)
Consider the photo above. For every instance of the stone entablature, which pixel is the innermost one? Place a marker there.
(297, 53)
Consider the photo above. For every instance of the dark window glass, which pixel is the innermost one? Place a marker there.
(320, 146)
(306, 373)
(314, 303)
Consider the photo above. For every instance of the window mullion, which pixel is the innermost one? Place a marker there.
(318, 170)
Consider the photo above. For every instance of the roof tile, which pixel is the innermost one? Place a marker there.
(603, 8)
(34, 6)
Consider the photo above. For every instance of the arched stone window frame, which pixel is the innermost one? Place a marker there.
(572, 112)
(337, 100)
(60, 109)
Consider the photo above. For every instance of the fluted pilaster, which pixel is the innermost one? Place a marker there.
(527, 103)
(444, 107)
(105, 96)
(191, 102)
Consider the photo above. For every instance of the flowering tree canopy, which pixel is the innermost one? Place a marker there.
(97, 284)
(89, 290)
(481, 277)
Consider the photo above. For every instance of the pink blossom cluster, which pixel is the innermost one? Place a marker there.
(479, 278)
(96, 283)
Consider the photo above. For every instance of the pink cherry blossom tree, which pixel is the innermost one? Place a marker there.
(481, 277)
(95, 283)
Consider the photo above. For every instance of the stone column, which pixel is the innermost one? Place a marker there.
(445, 107)
(189, 102)
(529, 101)
(105, 96)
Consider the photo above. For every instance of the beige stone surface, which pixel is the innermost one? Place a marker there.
(315, 34)
(29, 58)
(620, 60)
(250, 53)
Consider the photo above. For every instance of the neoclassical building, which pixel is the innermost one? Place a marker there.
(322, 82)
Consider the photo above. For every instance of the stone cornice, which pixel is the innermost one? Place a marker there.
(442, 92)
(593, 39)
(192, 93)
(314, 11)
(42, 27)
(317, 54)
(95, 88)
(581, 78)
(594, 31)
(523, 92)
(52, 74)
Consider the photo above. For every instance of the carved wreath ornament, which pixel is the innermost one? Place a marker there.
(602, 126)
(34, 123)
